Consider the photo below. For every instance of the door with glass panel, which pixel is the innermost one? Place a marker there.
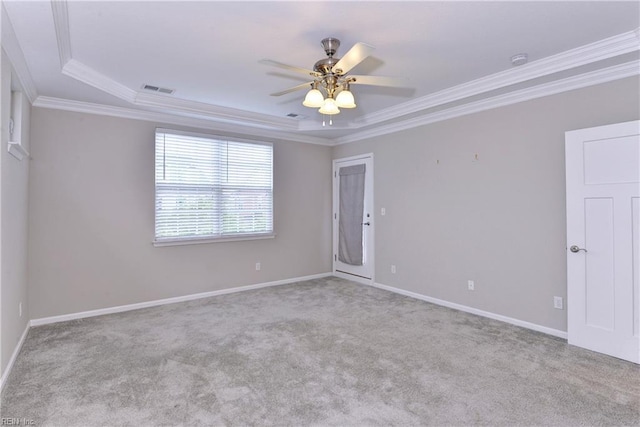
(353, 222)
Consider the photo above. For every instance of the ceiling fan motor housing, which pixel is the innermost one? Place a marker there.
(325, 65)
(330, 46)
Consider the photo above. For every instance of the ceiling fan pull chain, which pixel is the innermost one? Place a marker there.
(324, 120)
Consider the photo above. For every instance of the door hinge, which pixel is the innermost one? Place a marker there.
(335, 174)
(335, 216)
(335, 257)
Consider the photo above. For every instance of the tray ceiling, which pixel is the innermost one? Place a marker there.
(454, 56)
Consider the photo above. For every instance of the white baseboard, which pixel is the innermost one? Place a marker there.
(522, 323)
(136, 306)
(353, 278)
(14, 356)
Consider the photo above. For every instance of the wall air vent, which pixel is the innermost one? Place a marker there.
(158, 89)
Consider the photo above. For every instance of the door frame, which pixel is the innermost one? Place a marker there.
(371, 229)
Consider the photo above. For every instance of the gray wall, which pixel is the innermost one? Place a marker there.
(14, 177)
(92, 220)
(498, 220)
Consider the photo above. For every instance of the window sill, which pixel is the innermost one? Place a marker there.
(200, 241)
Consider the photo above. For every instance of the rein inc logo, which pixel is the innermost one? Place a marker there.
(17, 422)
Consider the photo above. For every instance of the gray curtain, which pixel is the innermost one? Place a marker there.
(351, 214)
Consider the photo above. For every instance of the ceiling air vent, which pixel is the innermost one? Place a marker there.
(296, 116)
(153, 88)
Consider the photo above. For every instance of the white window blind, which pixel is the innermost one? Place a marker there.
(210, 188)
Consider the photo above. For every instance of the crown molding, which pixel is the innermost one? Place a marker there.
(616, 72)
(87, 75)
(81, 72)
(592, 78)
(593, 52)
(16, 57)
(167, 118)
(61, 24)
(214, 112)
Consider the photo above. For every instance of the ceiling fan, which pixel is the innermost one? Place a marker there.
(330, 74)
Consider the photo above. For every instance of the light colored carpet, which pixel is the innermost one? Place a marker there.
(322, 352)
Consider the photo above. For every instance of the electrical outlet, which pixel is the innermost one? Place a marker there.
(20, 309)
(393, 269)
(557, 303)
(257, 266)
(471, 285)
(383, 211)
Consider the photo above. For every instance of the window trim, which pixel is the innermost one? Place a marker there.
(202, 240)
(195, 240)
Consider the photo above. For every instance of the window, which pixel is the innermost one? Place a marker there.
(210, 188)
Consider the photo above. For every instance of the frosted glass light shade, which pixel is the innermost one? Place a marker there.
(329, 107)
(314, 99)
(345, 99)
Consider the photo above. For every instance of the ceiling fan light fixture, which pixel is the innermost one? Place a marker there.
(329, 107)
(345, 99)
(331, 78)
(313, 99)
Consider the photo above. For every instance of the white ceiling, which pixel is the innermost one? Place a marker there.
(96, 56)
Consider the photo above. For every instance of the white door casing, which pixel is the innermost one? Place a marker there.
(360, 273)
(603, 239)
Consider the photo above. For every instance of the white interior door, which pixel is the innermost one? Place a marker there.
(603, 226)
(353, 221)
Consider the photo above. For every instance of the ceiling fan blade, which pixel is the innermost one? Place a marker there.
(293, 89)
(353, 57)
(288, 67)
(378, 81)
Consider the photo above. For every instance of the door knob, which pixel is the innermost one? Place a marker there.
(576, 249)
(366, 223)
